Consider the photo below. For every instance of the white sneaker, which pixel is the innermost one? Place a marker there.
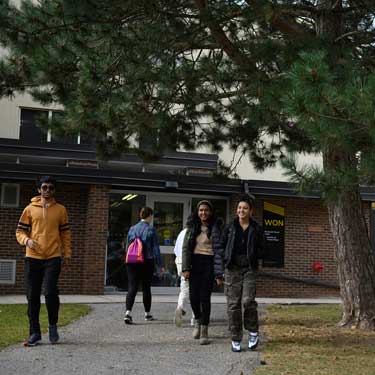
(178, 317)
(253, 340)
(236, 346)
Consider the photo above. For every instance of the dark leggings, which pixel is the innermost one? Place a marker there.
(136, 273)
(200, 286)
(38, 271)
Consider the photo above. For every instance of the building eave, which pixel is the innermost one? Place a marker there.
(123, 179)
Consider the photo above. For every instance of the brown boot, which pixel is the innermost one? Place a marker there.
(197, 330)
(204, 336)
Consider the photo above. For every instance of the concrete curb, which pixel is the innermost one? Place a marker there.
(120, 298)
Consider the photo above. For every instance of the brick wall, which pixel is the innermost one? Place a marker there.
(9, 248)
(88, 237)
(307, 239)
(96, 225)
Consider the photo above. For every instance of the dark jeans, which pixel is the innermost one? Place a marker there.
(200, 286)
(38, 271)
(141, 272)
(240, 289)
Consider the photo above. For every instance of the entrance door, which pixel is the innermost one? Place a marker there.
(170, 215)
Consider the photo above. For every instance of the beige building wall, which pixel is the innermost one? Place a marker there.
(10, 109)
(246, 171)
(10, 113)
(10, 127)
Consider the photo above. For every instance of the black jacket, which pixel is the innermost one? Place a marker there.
(190, 239)
(255, 246)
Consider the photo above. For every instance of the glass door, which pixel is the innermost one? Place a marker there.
(170, 215)
(124, 210)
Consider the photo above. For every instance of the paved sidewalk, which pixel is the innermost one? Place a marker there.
(100, 343)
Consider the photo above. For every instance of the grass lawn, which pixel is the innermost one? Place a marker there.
(303, 340)
(14, 324)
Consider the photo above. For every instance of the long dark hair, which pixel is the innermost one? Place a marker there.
(194, 222)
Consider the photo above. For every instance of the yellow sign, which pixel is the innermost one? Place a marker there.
(274, 222)
(275, 209)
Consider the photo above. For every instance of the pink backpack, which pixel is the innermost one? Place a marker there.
(135, 250)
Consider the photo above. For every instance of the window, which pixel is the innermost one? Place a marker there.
(60, 135)
(10, 195)
(84, 138)
(30, 126)
(154, 138)
(34, 128)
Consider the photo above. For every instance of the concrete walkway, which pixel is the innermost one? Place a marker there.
(100, 343)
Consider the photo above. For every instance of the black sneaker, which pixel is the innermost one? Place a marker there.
(149, 318)
(128, 319)
(53, 334)
(33, 339)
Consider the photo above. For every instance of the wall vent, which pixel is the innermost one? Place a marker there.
(10, 195)
(7, 271)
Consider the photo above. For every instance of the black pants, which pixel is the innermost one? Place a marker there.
(200, 287)
(140, 273)
(38, 271)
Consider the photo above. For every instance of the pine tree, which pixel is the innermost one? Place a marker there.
(268, 78)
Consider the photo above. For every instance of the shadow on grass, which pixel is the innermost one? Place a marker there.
(297, 322)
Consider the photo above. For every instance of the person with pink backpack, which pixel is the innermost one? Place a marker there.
(142, 252)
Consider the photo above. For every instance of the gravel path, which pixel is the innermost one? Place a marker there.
(100, 343)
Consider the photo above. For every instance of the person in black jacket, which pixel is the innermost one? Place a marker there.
(201, 243)
(242, 245)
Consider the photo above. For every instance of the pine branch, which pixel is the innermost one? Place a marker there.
(341, 119)
(213, 98)
(219, 35)
(278, 19)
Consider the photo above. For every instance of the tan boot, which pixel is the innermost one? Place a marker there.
(204, 336)
(197, 330)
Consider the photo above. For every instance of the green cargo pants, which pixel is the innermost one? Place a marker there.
(240, 289)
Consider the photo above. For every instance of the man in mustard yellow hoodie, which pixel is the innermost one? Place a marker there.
(44, 229)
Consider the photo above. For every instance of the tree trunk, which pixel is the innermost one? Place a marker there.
(353, 253)
(355, 261)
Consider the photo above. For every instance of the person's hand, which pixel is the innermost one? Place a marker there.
(219, 281)
(30, 243)
(65, 264)
(162, 269)
(186, 275)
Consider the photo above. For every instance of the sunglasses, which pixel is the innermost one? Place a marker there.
(47, 187)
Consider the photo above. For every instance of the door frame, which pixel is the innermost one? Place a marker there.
(185, 198)
(186, 201)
